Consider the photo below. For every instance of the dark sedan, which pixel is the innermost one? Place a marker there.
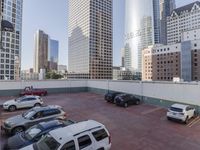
(34, 133)
(109, 97)
(126, 100)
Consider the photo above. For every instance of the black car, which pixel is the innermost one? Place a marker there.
(109, 97)
(34, 133)
(126, 100)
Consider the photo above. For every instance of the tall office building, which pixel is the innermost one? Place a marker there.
(46, 52)
(10, 50)
(182, 19)
(90, 39)
(53, 55)
(142, 28)
(166, 8)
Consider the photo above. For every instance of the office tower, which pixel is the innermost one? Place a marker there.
(10, 51)
(53, 55)
(182, 19)
(41, 51)
(142, 28)
(166, 8)
(90, 39)
(179, 60)
(46, 52)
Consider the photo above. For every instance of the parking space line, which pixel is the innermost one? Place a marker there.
(151, 110)
(195, 121)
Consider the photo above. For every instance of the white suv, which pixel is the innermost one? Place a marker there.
(181, 112)
(86, 135)
(22, 102)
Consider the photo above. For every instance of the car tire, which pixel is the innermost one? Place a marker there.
(12, 108)
(17, 130)
(168, 118)
(137, 102)
(37, 105)
(186, 120)
(114, 101)
(126, 105)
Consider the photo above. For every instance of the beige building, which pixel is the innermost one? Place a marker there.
(166, 62)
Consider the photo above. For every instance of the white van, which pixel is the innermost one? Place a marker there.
(86, 135)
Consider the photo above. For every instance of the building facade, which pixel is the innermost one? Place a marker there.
(179, 60)
(166, 8)
(90, 39)
(142, 28)
(10, 53)
(182, 19)
(53, 55)
(46, 52)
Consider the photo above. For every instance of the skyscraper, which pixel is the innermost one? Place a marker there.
(41, 51)
(142, 28)
(53, 55)
(46, 52)
(166, 8)
(10, 51)
(90, 39)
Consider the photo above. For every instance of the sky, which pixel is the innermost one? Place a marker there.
(51, 17)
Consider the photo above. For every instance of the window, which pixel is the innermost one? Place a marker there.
(69, 146)
(100, 135)
(51, 112)
(84, 141)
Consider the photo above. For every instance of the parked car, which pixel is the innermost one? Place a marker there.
(23, 102)
(20, 123)
(181, 112)
(33, 91)
(126, 100)
(109, 97)
(86, 135)
(35, 133)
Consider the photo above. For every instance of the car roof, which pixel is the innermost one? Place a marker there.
(46, 107)
(179, 106)
(49, 124)
(62, 134)
(31, 96)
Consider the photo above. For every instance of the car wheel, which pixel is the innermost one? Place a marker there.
(37, 105)
(12, 108)
(126, 105)
(114, 101)
(18, 130)
(137, 102)
(168, 118)
(186, 120)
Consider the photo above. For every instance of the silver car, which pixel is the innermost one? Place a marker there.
(33, 116)
(23, 102)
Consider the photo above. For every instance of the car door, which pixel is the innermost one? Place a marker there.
(23, 103)
(31, 101)
(50, 114)
(35, 119)
(85, 142)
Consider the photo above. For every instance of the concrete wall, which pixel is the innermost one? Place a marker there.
(159, 93)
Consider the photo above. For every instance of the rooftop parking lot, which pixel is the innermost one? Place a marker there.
(139, 127)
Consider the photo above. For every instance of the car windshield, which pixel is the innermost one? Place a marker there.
(47, 143)
(176, 109)
(32, 132)
(28, 114)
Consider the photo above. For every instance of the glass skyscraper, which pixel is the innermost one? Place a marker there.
(53, 55)
(10, 53)
(90, 39)
(142, 28)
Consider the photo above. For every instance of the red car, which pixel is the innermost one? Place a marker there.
(32, 91)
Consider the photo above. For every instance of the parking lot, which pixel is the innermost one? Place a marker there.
(141, 127)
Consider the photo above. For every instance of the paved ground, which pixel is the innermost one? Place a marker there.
(142, 127)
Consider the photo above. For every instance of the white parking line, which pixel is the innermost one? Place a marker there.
(151, 110)
(195, 121)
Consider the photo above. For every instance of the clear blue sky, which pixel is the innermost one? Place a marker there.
(51, 16)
